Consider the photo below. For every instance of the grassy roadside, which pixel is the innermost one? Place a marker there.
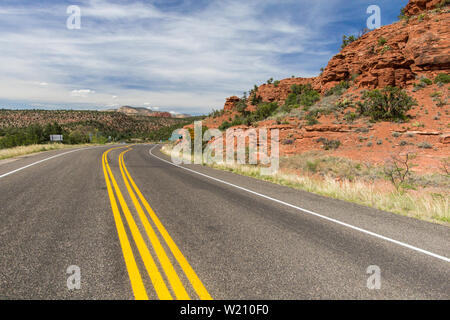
(35, 148)
(365, 187)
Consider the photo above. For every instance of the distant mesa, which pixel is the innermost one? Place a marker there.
(139, 111)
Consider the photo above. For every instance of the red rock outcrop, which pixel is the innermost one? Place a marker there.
(230, 104)
(415, 7)
(397, 55)
(279, 92)
(394, 55)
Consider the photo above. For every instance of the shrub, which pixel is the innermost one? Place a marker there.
(303, 95)
(276, 83)
(287, 142)
(265, 110)
(308, 98)
(425, 145)
(225, 125)
(350, 117)
(442, 78)
(382, 41)
(256, 99)
(398, 170)
(390, 103)
(426, 81)
(311, 118)
(339, 89)
(241, 105)
(329, 144)
(216, 113)
(346, 40)
(385, 49)
(436, 94)
(403, 15)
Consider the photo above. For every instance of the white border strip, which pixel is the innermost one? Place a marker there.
(311, 212)
(40, 161)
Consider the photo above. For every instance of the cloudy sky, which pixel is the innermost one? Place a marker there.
(176, 55)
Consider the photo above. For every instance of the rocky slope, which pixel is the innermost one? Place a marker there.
(408, 54)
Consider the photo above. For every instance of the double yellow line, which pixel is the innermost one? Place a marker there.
(139, 202)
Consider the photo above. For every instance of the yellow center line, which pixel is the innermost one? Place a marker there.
(188, 270)
(167, 266)
(133, 271)
(158, 283)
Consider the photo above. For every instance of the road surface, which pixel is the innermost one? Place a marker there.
(139, 227)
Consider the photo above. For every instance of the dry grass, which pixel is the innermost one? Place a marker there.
(24, 150)
(424, 204)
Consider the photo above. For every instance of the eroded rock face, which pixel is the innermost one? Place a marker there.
(230, 104)
(415, 7)
(272, 93)
(394, 55)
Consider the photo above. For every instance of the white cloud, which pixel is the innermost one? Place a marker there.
(135, 52)
(81, 93)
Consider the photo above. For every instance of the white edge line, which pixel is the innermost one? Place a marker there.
(43, 160)
(311, 212)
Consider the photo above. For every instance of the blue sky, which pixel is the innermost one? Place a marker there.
(181, 56)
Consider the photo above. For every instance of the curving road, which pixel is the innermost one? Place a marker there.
(139, 227)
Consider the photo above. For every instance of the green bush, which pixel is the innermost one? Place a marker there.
(425, 145)
(329, 144)
(426, 81)
(256, 99)
(34, 134)
(311, 118)
(265, 110)
(225, 125)
(382, 41)
(303, 95)
(390, 104)
(443, 78)
(346, 40)
(350, 117)
(338, 89)
(241, 105)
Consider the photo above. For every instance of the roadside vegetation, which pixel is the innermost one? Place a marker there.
(392, 187)
(31, 127)
(34, 148)
(388, 104)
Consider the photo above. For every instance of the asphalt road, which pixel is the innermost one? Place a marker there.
(149, 229)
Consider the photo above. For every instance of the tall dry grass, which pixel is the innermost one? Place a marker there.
(24, 150)
(429, 205)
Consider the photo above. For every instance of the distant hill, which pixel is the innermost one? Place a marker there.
(81, 124)
(131, 111)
